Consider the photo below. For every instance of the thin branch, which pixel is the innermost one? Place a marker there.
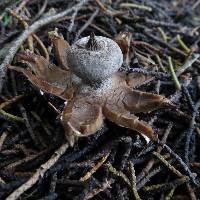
(39, 173)
(167, 164)
(2, 138)
(138, 6)
(182, 44)
(105, 185)
(189, 62)
(10, 116)
(119, 174)
(171, 67)
(133, 181)
(34, 27)
(95, 168)
(41, 11)
(167, 186)
(87, 23)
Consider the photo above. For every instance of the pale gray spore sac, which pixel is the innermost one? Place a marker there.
(95, 66)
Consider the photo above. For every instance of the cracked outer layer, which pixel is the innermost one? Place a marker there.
(98, 65)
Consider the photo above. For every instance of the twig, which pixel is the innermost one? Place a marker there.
(182, 44)
(25, 24)
(2, 181)
(176, 50)
(160, 63)
(166, 186)
(164, 36)
(99, 29)
(150, 164)
(70, 17)
(159, 75)
(196, 4)
(148, 177)
(44, 125)
(190, 60)
(9, 102)
(34, 27)
(95, 168)
(119, 174)
(145, 45)
(190, 132)
(111, 13)
(43, 48)
(22, 4)
(39, 173)
(198, 131)
(2, 138)
(167, 164)
(41, 11)
(184, 166)
(138, 6)
(171, 67)
(10, 116)
(195, 164)
(72, 20)
(170, 194)
(188, 97)
(133, 181)
(89, 21)
(29, 127)
(151, 22)
(12, 166)
(165, 136)
(54, 179)
(96, 191)
(191, 192)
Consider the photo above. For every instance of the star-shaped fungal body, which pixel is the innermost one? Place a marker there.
(88, 77)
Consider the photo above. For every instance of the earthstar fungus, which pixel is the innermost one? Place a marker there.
(88, 77)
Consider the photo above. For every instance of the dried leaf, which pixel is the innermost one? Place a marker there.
(145, 61)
